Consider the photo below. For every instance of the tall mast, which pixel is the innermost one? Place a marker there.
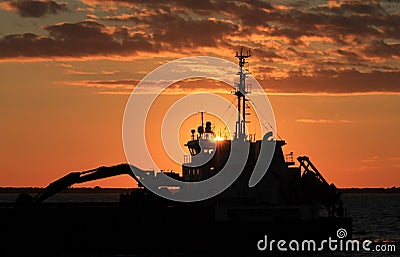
(241, 92)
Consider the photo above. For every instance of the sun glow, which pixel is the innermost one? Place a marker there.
(218, 138)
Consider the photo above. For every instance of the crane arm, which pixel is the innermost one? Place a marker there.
(319, 189)
(309, 167)
(81, 177)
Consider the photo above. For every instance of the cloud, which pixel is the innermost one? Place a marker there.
(338, 47)
(87, 38)
(335, 82)
(112, 83)
(90, 38)
(380, 48)
(189, 25)
(179, 33)
(78, 72)
(179, 30)
(106, 86)
(36, 9)
(122, 17)
(125, 86)
(322, 121)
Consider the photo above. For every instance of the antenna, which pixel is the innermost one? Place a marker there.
(202, 118)
(242, 57)
(241, 92)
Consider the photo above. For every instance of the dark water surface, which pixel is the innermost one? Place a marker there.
(376, 217)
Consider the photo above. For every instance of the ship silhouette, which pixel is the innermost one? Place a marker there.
(289, 200)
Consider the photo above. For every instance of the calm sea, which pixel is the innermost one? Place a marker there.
(376, 216)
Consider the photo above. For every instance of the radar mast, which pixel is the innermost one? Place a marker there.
(241, 90)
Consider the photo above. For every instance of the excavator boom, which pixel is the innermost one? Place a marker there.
(81, 177)
(76, 178)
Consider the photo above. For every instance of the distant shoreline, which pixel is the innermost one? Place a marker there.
(125, 190)
(68, 190)
(370, 190)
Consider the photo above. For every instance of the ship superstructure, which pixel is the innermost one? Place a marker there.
(286, 191)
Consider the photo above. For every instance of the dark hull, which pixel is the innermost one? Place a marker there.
(107, 229)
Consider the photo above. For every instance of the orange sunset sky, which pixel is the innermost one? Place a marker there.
(329, 68)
